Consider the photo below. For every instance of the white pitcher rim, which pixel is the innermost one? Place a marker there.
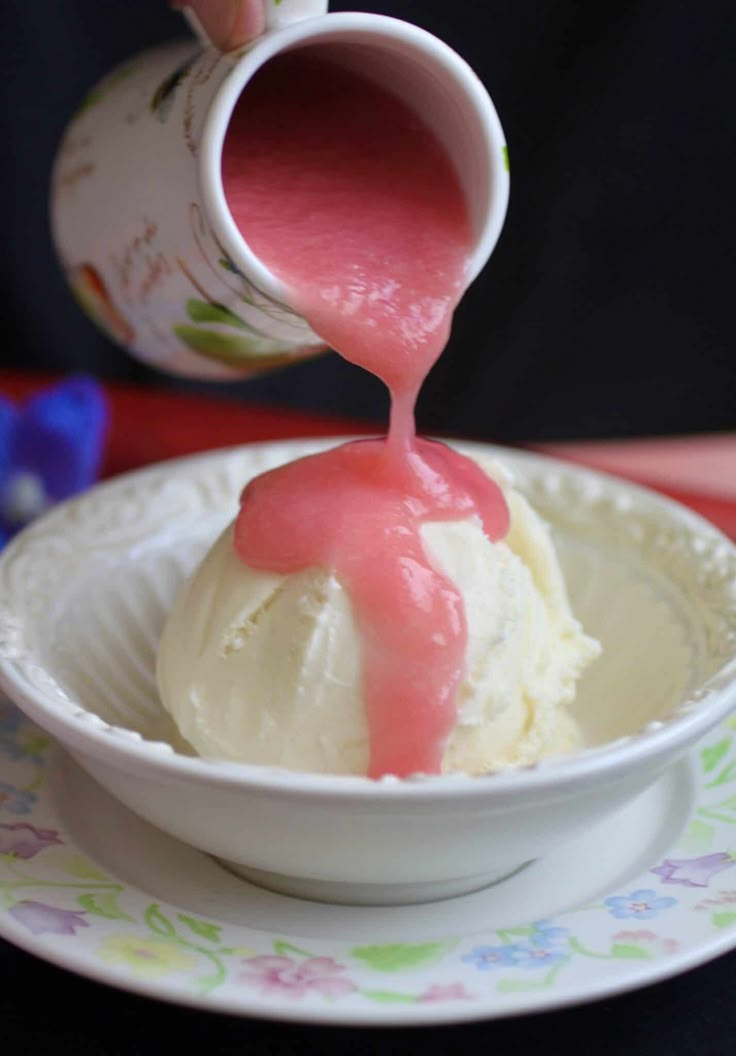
(331, 27)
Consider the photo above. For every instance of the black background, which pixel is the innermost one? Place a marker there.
(607, 307)
(606, 310)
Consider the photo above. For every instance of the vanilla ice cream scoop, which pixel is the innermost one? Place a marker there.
(266, 668)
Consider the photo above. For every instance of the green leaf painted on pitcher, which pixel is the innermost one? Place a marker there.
(212, 312)
(227, 347)
(725, 920)
(163, 96)
(235, 350)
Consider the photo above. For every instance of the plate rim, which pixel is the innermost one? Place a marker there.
(485, 1006)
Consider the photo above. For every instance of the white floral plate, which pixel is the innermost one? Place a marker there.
(86, 884)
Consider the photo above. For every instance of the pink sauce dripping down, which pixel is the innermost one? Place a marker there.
(345, 195)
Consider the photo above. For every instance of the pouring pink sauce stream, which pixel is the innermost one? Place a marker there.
(353, 203)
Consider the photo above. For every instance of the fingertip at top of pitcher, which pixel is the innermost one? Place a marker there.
(234, 23)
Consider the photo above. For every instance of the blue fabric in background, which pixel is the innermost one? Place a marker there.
(60, 435)
(8, 415)
(53, 443)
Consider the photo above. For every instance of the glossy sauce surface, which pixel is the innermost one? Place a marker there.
(354, 204)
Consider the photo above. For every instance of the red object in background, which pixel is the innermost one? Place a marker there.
(149, 425)
(698, 471)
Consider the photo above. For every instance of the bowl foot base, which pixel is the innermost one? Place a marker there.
(352, 893)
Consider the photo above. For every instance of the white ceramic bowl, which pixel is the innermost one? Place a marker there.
(84, 593)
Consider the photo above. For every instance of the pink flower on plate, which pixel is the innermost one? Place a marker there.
(694, 872)
(447, 992)
(725, 898)
(25, 841)
(285, 977)
(653, 944)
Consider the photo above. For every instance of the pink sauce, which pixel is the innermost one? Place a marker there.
(353, 203)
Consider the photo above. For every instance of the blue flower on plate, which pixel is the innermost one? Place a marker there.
(547, 934)
(539, 955)
(643, 904)
(546, 947)
(488, 957)
(18, 739)
(14, 800)
(50, 449)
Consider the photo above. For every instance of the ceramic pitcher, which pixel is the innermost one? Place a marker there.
(139, 216)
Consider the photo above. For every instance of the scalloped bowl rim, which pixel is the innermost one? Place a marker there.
(661, 739)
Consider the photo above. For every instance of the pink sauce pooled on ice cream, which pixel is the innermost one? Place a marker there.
(345, 196)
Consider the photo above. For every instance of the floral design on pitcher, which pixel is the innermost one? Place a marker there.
(162, 99)
(95, 299)
(100, 90)
(213, 328)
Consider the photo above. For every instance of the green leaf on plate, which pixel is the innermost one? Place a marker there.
(400, 957)
(725, 919)
(625, 951)
(211, 932)
(724, 811)
(283, 948)
(389, 997)
(103, 904)
(727, 774)
(517, 986)
(697, 838)
(712, 756)
(158, 922)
